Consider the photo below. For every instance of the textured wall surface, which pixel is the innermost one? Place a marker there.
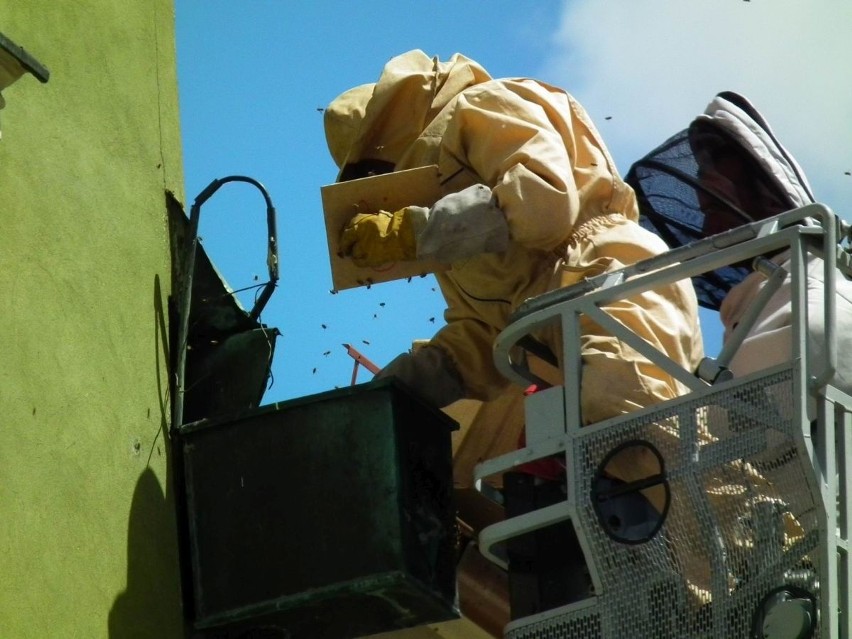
(87, 532)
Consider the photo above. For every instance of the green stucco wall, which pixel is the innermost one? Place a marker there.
(87, 532)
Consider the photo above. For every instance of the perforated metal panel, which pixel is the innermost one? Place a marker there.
(742, 520)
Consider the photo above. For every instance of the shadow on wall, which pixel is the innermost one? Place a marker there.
(150, 605)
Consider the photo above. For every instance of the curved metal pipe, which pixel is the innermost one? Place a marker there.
(189, 269)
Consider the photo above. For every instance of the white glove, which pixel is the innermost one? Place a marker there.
(461, 225)
(429, 372)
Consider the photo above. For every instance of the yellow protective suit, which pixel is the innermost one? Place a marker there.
(569, 215)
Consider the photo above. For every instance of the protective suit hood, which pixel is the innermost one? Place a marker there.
(724, 170)
(380, 121)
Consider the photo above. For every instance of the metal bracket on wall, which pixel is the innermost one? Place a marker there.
(222, 336)
(23, 59)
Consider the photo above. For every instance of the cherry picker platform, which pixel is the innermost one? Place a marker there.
(753, 538)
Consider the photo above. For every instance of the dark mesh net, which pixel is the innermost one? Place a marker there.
(698, 183)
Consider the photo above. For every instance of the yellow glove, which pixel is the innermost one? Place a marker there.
(460, 225)
(373, 239)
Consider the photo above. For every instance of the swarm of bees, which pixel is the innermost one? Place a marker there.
(382, 305)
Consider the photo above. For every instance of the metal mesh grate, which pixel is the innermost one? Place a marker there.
(741, 521)
(582, 623)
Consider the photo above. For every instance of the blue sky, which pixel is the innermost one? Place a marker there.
(254, 76)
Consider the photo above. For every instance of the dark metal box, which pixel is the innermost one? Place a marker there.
(325, 517)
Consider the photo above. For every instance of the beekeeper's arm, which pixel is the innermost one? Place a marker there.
(527, 142)
(461, 347)
(547, 166)
(458, 226)
(430, 372)
(543, 167)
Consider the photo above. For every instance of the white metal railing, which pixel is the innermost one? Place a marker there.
(554, 426)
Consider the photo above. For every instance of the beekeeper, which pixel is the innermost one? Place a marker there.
(531, 202)
(755, 172)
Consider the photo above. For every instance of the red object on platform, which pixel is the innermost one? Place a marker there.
(549, 468)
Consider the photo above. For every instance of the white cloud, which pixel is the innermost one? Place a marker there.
(654, 64)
